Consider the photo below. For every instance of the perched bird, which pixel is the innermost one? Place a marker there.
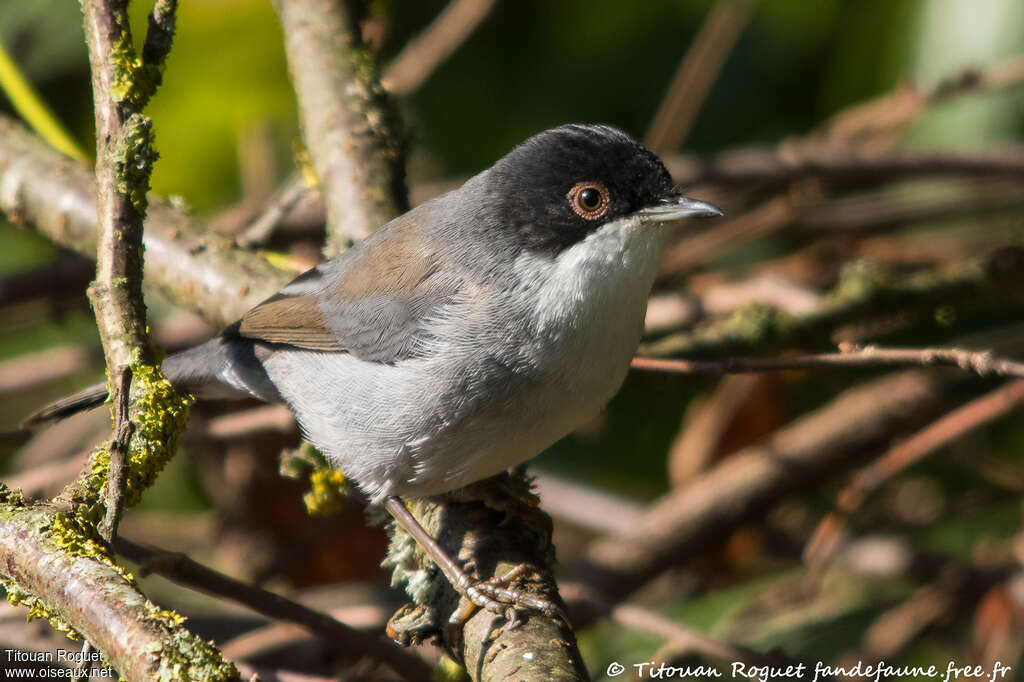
(465, 336)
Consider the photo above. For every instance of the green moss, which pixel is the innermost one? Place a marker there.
(13, 498)
(160, 415)
(135, 80)
(858, 281)
(133, 156)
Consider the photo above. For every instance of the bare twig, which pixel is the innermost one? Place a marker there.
(32, 369)
(123, 428)
(424, 53)
(705, 426)
(184, 260)
(979, 362)
(955, 424)
(252, 643)
(774, 166)
(591, 508)
(696, 73)
(259, 231)
(263, 674)
(183, 570)
(47, 480)
(349, 123)
(768, 217)
(692, 640)
(263, 419)
(691, 519)
(66, 275)
(863, 293)
(896, 109)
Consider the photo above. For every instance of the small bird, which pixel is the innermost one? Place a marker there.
(465, 336)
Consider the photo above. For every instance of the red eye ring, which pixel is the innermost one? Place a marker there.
(589, 200)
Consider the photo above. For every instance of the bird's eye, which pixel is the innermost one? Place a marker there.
(590, 200)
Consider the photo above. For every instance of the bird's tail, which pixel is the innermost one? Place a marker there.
(85, 399)
(199, 370)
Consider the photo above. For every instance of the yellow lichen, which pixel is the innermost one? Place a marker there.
(326, 492)
(327, 484)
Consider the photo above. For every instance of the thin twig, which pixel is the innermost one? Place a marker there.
(678, 635)
(160, 33)
(806, 158)
(32, 369)
(184, 261)
(982, 363)
(896, 109)
(424, 53)
(86, 650)
(47, 479)
(123, 429)
(183, 570)
(697, 71)
(768, 217)
(953, 425)
(692, 519)
(260, 229)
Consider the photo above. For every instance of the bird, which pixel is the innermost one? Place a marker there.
(466, 335)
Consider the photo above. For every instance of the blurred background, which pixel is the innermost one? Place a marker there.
(919, 561)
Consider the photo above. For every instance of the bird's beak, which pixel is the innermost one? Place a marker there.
(679, 207)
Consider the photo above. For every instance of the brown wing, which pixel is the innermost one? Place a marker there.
(296, 321)
(372, 301)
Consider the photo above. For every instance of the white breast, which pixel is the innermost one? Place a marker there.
(581, 318)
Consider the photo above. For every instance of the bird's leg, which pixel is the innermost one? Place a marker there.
(494, 594)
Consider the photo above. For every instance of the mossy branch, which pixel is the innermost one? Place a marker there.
(77, 587)
(56, 557)
(491, 527)
(864, 292)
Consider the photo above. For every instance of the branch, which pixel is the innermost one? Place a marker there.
(982, 363)
(686, 639)
(349, 124)
(76, 592)
(184, 571)
(185, 261)
(863, 292)
(832, 153)
(490, 537)
(284, 200)
(897, 459)
(691, 519)
(424, 53)
(124, 158)
(696, 73)
(906, 103)
(775, 166)
(123, 429)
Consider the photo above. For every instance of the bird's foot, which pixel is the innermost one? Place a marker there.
(498, 595)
